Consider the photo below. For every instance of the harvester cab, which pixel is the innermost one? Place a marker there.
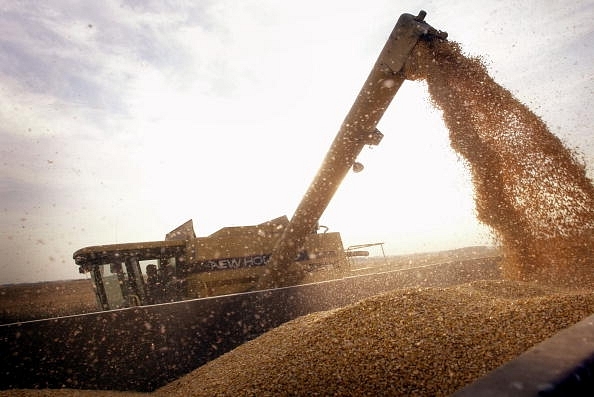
(272, 254)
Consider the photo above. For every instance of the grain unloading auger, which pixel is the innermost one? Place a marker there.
(272, 254)
(358, 129)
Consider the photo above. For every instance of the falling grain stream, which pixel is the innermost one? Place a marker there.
(529, 188)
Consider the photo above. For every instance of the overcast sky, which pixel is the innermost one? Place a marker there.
(123, 119)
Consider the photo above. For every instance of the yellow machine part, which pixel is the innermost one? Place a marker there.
(326, 260)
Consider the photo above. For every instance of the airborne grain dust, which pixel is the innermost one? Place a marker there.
(529, 188)
(430, 342)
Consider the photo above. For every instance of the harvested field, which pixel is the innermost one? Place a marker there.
(23, 302)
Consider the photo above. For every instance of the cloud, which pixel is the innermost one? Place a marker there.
(47, 60)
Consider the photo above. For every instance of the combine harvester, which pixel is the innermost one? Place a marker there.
(169, 306)
(232, 260)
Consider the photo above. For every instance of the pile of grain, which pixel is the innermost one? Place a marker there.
(424, 342)
(528, 187)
